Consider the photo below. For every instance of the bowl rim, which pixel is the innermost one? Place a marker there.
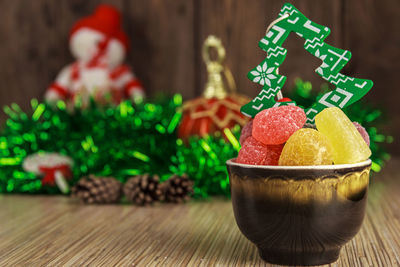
(364, 163)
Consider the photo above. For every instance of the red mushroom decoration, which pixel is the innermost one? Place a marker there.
(55, 169)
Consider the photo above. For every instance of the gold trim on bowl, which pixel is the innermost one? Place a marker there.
(308, 183)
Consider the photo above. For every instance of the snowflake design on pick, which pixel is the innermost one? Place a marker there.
(263, 75)
(348, 89)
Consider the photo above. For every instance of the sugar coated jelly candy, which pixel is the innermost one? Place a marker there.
(306, 147)
(256, 153)
(246, 131)
(362, 131)
(275, 125)
(252, 152)
(284, 99)
(347, 143)
(273, 154)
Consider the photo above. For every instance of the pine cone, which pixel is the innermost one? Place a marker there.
(143, 189)
(177, 189)
(99, 190)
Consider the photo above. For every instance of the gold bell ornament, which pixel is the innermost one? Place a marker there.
(218, 108)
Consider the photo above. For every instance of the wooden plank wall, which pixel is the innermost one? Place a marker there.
(167, 36)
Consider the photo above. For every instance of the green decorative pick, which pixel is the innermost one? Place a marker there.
(348, 89)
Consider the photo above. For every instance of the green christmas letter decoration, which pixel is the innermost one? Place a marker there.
(348, 89)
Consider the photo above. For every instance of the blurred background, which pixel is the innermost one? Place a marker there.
(167, 36)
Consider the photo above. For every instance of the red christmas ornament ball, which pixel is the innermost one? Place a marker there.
(203, 116)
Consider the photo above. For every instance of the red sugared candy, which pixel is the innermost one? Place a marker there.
(284, 99)
(252, 152)
(275, 125)
(362, 131)
(246, 131)
(273, 154)
(256, 153)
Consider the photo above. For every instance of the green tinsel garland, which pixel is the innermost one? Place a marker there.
(133, 139)
(119, 141)
(203, 159)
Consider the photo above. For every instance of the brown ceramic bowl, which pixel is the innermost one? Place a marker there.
(299, 215)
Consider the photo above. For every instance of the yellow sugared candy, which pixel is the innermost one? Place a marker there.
(306, 147)
(347, 143)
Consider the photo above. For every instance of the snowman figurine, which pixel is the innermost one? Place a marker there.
(99, 46)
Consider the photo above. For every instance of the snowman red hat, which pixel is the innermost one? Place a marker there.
(105, 19)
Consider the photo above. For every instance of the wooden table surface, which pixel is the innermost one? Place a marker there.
(55, 231)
